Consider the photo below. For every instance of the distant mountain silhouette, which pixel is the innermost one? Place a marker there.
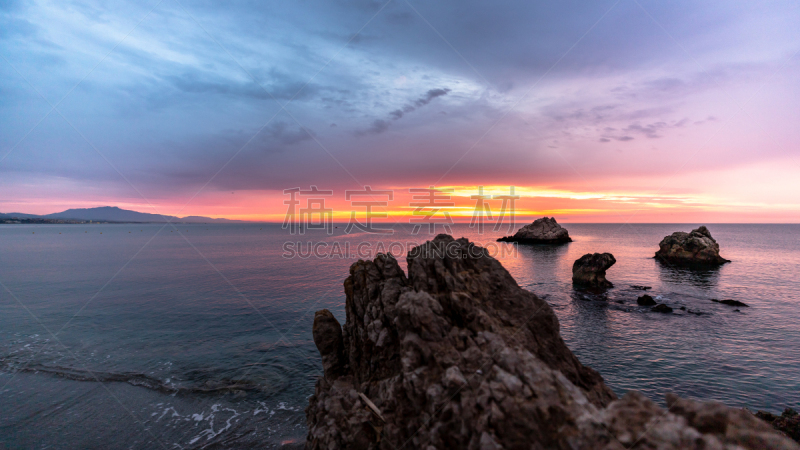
(17, 216)
(115, 214)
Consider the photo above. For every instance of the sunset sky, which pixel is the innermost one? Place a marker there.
(601, 111)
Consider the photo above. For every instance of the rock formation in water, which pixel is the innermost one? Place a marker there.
(542, 231)
(590, 270)
(662, 308)
(730, 302)
(457, 355)
(645, 300)
(695, 248)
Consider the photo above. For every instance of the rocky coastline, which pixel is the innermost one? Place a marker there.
(788, 422)
(456, 355)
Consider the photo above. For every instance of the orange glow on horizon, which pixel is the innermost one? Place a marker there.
(632, 199)
(533, 202)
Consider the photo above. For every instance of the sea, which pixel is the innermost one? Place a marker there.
(189, 336)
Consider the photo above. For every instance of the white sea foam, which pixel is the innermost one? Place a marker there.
(211, 433)
(166, 410)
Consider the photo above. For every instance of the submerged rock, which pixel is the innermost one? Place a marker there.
(730, 302)
(695, 248)
(645, 300)
(542, 231)
(590, 269)
(662, 308)
(457, 355)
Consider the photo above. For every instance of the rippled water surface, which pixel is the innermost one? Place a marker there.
(143, 336)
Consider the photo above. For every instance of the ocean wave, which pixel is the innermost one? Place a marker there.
(137, 379)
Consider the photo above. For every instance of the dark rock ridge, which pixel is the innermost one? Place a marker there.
(730, 302)
(542, 231)
(327, 333)
(787, 423)
(590, 270)
(697, 248)
(662, 308)
(645, 300)
(457, 355)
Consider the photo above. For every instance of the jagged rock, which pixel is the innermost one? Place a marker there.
(446, 350)
(590, 269)
(645, 300)
(327, 334)
(640, 288)
(662, 308)
(730, 302)
(635, 422)
(542, 231)
(695, 248)
(787, 423)
(457, 355)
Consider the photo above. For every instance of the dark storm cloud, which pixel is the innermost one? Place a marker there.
(379, 125)
(430, 95)
(171, 106)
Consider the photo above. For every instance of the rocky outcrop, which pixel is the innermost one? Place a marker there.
(697, 248)
(645, 300)
(542, 231)
(327, 333)
(457, 355)
(662, 308)
(590, 270)
(787, 423)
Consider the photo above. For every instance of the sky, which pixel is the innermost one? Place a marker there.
(595, 111)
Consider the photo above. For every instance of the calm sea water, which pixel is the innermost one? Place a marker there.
(142, 336)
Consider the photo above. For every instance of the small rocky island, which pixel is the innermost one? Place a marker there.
(590, 270)
(697, 248)
(457, 355)
(542, 231)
